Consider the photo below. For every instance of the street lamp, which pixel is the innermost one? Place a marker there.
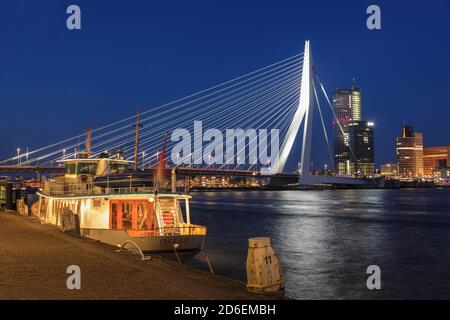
(18, 156)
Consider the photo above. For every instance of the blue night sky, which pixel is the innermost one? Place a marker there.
(130, 54)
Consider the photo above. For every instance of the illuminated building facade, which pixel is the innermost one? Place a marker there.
(353, 138)
(418, 144)
(389, 170)
(410, 153)
(435, 158)
(356, 103)
(342, 105)
(361, 145)
(444, 175)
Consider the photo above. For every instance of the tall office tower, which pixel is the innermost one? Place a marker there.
(361, 144)
(356, 103)
(347, 108)
(418, 148)
(410, 153)
(407, 131)
(342, 105)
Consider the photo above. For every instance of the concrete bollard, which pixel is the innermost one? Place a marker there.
(263, 268)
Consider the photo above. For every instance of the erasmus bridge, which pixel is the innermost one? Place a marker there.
(280, 96)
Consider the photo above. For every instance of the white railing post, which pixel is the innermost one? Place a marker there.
(188, 213)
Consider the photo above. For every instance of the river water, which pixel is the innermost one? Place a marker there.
(327, 239)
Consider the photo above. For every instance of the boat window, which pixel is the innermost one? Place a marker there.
(142, 216)
(87, 168)
(114, 216)
(118, 167)
(2, 194)
(70, 168)
(127, 215)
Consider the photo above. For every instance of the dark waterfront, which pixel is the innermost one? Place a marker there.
(327, 239)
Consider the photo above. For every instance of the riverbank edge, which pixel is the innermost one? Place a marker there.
(204, 286)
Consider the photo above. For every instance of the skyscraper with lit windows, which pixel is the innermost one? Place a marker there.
(410, 153)
(342, 105)
(361, 144)
(356, 103)
(353, 138)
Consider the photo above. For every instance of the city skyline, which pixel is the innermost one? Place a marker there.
(417, 160)
(210, 153)
(104, 82)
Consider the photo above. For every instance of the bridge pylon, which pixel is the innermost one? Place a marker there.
(304, 113)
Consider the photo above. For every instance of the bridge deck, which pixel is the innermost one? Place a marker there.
(180, 170)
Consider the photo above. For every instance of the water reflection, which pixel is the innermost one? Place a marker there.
(327, 239)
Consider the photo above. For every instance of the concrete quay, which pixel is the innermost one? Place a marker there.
(34, 258)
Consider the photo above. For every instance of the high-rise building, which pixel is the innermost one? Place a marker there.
(356, 103)
(410, 153)
(434, 159)
(418, 138)
(347, 110)
(342, 105)
(407, 131)
(361, 145)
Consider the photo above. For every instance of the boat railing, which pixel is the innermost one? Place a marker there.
(99, 191)
(89, 188)
(184, 230)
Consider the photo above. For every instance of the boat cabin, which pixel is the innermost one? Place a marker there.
(96, 167)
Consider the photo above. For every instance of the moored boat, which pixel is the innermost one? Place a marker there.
(113, 205)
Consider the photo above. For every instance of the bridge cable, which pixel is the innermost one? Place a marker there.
(323, 126)
(334, 114)
(162, 106)
(144, 119)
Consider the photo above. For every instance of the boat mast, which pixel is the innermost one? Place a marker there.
(88, 140)
(161, 165)
(87, 152)
(136, 143)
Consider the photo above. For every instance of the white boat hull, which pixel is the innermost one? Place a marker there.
(96, 222)
(187, 245)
